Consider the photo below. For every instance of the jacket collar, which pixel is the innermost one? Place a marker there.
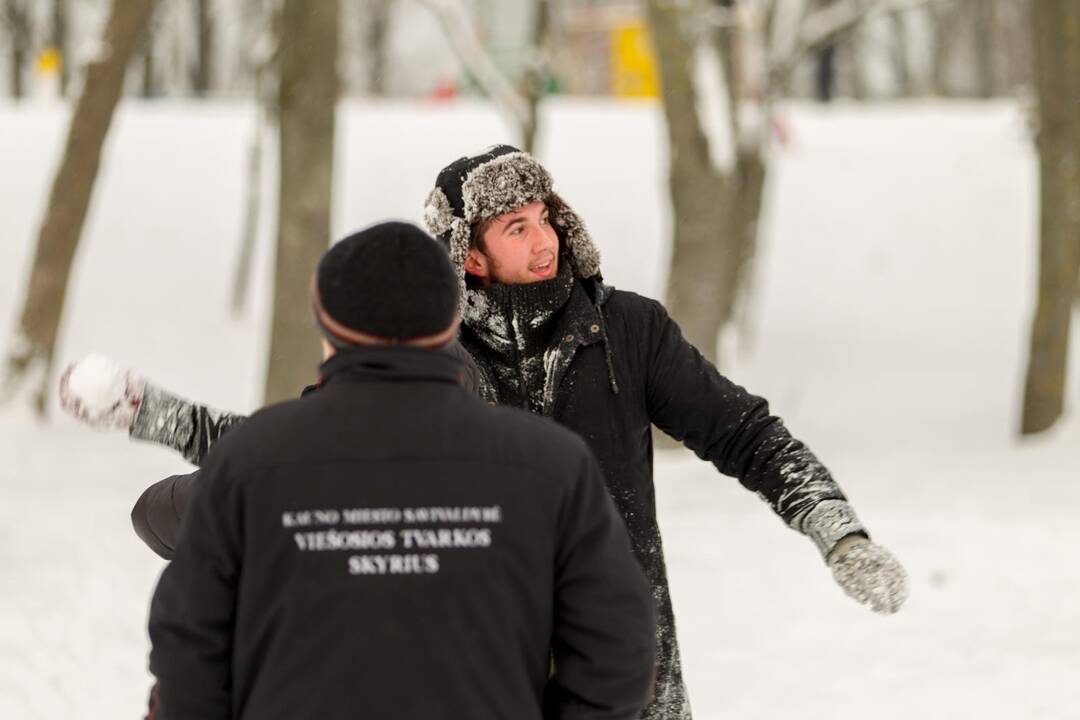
(392, 364)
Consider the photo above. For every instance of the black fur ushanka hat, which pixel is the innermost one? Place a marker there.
(479, 187)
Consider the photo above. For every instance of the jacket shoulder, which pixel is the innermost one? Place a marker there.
(631, 305)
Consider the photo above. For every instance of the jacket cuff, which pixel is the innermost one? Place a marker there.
(829, 522)
(164, 419)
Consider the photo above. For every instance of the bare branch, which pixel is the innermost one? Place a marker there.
(466, 45)
(823, 26)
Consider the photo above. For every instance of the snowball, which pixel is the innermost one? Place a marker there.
(98, 382)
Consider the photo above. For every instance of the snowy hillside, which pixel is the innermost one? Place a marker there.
(888, 328)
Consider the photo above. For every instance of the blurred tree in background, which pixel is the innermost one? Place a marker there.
(30, 358)
(1055, 34)
(718, 67)
(307, 98)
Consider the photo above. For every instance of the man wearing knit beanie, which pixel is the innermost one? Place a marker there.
(544, 332)
(392, 546)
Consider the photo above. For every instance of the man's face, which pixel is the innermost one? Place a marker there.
(519, 247)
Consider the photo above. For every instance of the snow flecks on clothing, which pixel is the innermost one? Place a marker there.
(670, 701)
(552, 356)
(829, 522)
(177, 423)
(516, 322)
(482, 316)
(806, 482)
(164, 419)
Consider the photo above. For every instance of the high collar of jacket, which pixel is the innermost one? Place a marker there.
(512, 318)
(392, 364)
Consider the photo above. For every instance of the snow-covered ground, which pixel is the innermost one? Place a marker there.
(888, 328)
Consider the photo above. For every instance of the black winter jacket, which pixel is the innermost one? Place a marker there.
(622, 364)
(393, 547)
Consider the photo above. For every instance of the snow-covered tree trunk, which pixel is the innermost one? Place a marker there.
(1056, 42)
(307, 99)
(30, 359)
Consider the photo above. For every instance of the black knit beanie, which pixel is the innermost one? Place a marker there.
(390, 284)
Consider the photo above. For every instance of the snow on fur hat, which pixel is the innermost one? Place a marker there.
(389, 284)
(480, 187)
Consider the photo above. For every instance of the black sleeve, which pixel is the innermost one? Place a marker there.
(187, 427)
(723, 423)
(159, 510)
(192, 614)
(605, 629)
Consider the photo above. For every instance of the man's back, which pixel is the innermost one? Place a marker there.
(393, 546)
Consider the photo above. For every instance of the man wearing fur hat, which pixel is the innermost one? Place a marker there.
(547, 334)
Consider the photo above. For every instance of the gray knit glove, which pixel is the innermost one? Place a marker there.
(866, 571)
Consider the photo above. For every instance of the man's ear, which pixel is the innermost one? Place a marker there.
(476, 264)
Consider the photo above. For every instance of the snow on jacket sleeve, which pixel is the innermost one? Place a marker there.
(192, 614)
(159, 511)
(723, 423)
(605, 629)
(185, 426)
(192, 428)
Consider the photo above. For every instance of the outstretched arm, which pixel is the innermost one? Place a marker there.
(185, 426)
(102, 394)
(723, 423)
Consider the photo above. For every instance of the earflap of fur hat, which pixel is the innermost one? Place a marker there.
(457, 239)
(584, 255)
(438, 215)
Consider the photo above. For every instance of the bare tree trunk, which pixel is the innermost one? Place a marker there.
(853, 42)
(900, 55)
(204, 23)
(376, 29)
(535, 78)
(60, 41)
(149, 85)
(262, 59)
(703, 259)
(1015, 61)
(307, 98)
(984, 22)
(1056, 42)
(944, 19)
(70, 199)
(18, 21)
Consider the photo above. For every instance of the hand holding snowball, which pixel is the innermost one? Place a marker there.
(99, 392)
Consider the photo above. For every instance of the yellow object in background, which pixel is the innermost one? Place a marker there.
(50, 62)
(633, 63)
